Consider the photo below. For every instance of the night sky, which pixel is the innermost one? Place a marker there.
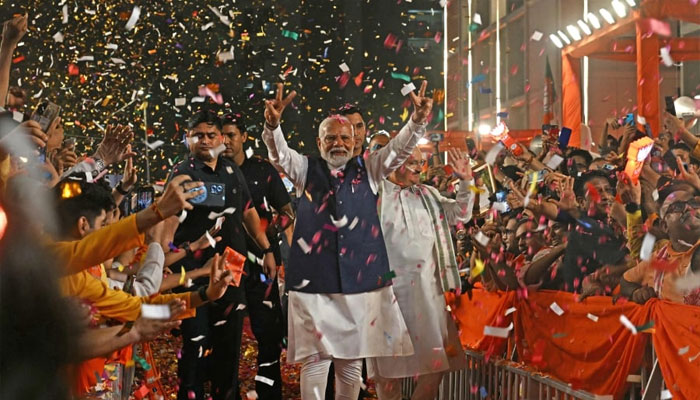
(175, 49)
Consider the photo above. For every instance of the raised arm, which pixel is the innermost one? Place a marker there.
(290, 161)
(459, 209)
(384, 161)
(12, 33)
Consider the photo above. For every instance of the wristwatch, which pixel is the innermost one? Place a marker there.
(99, 164)
(120, 189)
(267, 250)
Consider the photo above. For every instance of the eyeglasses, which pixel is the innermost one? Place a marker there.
(330, 138)
(679, 206)
(376, 147)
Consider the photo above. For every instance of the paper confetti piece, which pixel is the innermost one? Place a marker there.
(58, 37)
(265, 380)
(555, 307)
(482, 239)
(219, 323)
(497, 332)
(510, 311)
(403, 77)
(182, 275)
(210, 239)
(647, 246)
(155, 311)
(218, 150)
(555, 161)
(344, 67)
(249, 152)
(180, 101)
(219, 222)
(198, 338)
(353, 224)
(666, 59)
(240, 307)
(214, 215)
(305, 247)
(628, 324)
(408, 88)
(133, 19)
(683, 350)
(536, 36)
(389, 275)
(592, 317)
(182, 217)
(665, 394)
(478, 268)
(155, 145)
(252, 394)
(477, 18)
(303, 284)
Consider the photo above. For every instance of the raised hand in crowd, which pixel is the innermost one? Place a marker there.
(13, 30)
(630, 192)
(129, 175)
(275, 107)
(11, 143)
(115, 147)
(422, 105)
(461, 164)
(689, 174)
(219, 277)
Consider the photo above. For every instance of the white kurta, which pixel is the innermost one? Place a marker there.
(346, 326)
(410, 240)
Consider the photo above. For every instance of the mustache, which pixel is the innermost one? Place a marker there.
(343, 149)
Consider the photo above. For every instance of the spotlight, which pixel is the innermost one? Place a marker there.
(619, 8)
(573, 32)
(484, 129)
(555, 39)
(631, 3)
(593, 20)
(563, 37)
(584, 27)
(607, 16)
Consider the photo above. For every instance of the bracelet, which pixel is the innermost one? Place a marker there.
(267, 250)
(203, 293)
(270, 127)
(155, 208)
(120, 189)
(631, 207)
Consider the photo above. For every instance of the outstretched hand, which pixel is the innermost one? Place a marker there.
(422, 106)
(219, 277)
(115, 147)
(460, 164)
(275, 107)
(14, 29)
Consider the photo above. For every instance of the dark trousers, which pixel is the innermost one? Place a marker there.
(214, 356)
(267, 323)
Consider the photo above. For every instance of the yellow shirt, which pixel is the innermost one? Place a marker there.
(98, 246)
(112, 303)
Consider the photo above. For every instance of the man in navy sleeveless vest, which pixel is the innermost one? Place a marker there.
(341, 305)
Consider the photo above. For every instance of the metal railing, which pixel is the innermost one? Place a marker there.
(501, 379)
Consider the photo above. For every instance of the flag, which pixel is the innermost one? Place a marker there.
(549, 96)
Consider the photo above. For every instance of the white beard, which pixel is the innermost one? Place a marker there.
(337, 161)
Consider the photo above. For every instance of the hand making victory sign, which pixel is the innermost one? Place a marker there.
(274, 108)
(422, 106)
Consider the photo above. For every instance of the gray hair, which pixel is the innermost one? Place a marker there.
(336, 117)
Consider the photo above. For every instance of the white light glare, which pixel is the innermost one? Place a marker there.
(555, 39)
(631, 3)
(563, 37)
(584, 27)
(484, 129)
(619, 8)
(593, 20)
(607, 16)
(573, 32)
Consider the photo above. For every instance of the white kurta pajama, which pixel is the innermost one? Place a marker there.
(410, 240)
(345, 326)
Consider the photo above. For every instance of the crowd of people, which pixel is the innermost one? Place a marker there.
(346, 270)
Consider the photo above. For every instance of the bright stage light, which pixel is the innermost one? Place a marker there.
(484, 129)
(607, 16)
(593, 20)
(573, 32)
(619, 8)
(584, 27)
(555, 39)
(564, 38)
